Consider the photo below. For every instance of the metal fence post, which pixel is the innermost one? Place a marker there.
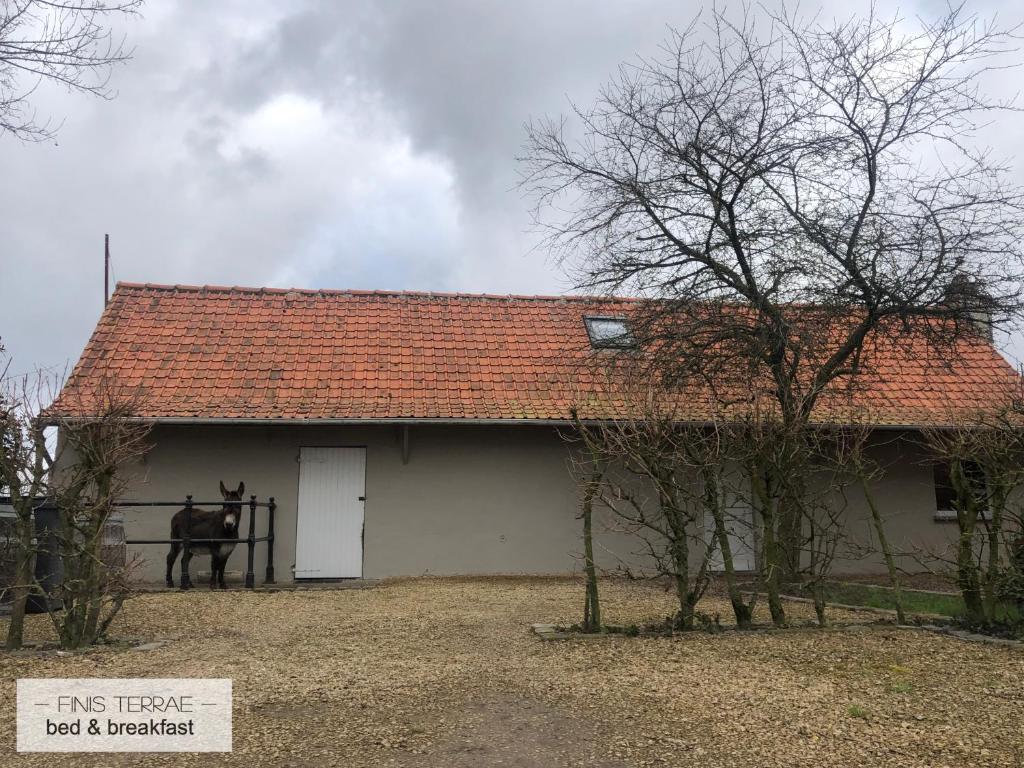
(186, 544)
(250, 577)
(270, 541)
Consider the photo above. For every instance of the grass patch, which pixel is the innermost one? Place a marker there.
(856, 710)
(882, 597)
(1008, 622)
(901, 686)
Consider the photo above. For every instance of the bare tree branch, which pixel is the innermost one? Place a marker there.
(791, 198)
(68, 43)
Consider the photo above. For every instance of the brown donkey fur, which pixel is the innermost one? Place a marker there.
(207, 524)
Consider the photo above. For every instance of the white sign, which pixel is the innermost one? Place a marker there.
(124, 715)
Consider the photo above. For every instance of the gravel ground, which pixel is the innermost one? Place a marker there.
(444, 672)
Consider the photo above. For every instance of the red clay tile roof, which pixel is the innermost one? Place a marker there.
(242, 353)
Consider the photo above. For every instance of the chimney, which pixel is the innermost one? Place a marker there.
(972, 303)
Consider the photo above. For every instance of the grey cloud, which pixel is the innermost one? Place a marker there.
(320, 143)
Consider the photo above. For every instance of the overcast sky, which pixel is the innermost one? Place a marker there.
(334, 144)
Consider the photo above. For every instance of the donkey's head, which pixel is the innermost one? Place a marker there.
(232, 507)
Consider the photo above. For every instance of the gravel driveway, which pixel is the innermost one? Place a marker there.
(444, 672)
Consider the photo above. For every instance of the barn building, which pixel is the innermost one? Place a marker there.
(424, 433)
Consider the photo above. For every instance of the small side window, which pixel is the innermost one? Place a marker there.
(945, 494)
(609, 332)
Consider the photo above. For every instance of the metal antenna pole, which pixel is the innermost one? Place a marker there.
(106, 270)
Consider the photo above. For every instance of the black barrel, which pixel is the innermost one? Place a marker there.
(49, 570)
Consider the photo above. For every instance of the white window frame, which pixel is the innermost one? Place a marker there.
(624, 340)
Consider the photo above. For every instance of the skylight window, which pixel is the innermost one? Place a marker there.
(609, 332)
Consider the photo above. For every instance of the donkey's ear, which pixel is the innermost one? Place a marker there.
(241, 489)
(223, 490)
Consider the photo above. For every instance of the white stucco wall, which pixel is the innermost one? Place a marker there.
(905, 495)
(470, 500)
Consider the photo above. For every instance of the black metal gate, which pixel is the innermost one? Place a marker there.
(48, 566)
(186, 541)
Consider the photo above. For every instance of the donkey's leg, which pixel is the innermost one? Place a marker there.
(186, 558)
(214, 568)
(171, 557)
(220, 572)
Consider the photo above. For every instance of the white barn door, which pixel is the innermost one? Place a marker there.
(332, 488)
(739, 523)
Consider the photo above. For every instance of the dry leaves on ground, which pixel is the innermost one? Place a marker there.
(444, 672)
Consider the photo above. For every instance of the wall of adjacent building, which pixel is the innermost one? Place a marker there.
(470, 499)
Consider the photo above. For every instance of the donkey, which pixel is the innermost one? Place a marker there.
(215, 524)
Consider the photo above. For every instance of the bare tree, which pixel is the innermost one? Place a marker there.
(588, 468)
(784, 192)
(686, 486)
(855, 454)
(984, 454)
(778, 461)
(67, 42)
(25, 464)
(715, 458)
(100, 449)
(825, 504)
(83, 478)
(653, 491)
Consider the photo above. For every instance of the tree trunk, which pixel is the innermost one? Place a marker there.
(994, 529)
(786, 486)
(771, 583)
(770, 577)
(83, 585)
(770, 555)
(592, 602)
(820, 612)
(22, 583)
(713, 502)
(116, 603)
(968, 578)
(883, 544)
(790, 534)
(679, 552)
(94, 581)
(69, 622)
(687, 599)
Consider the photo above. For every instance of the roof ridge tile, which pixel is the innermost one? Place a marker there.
(127, 286)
